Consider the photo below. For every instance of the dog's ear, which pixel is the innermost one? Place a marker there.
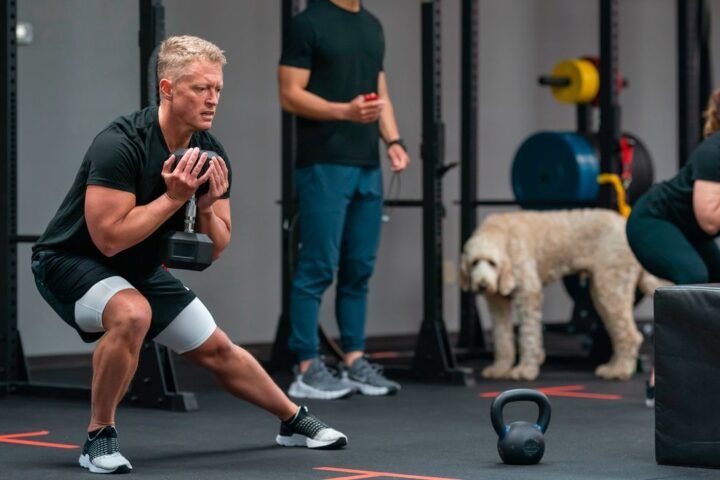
(506, 279)
(465, 273)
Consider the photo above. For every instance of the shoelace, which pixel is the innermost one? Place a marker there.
(324, 372)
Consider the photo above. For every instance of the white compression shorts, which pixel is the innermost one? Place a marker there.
(186, 332)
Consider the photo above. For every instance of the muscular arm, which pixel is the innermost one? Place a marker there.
(706, 204)
(388, 125)
(295, 99)
(215, 223)
(115, 222)
(397, 155)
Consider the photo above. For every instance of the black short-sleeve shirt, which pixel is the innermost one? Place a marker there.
(344, 52)
(673, 199)
(127, 155)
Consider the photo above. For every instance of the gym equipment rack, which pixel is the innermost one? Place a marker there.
(154, 384)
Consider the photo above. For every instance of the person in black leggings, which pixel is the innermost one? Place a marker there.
(672, 228)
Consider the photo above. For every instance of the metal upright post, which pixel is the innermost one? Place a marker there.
(152, 32)
(471, 335)
(584, 315)
(11, 357)
(584, 119)
(693, 74)
(434, 358)
(609, 106)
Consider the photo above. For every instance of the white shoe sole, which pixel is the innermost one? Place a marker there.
(296, 440)
(371, 390)
(85, 462)
(301, 390)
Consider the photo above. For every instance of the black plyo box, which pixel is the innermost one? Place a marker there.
(687, 362)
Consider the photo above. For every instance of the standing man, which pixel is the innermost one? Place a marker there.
(97, 263)
(331, 77)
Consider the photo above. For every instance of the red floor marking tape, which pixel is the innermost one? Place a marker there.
(381, 355)
(13, 438)
(572, 391)
(370, 474)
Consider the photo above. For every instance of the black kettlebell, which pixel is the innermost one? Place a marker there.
(520, 443)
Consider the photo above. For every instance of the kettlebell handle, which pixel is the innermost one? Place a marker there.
(519, 395)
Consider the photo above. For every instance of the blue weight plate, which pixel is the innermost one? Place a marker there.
(555, 167)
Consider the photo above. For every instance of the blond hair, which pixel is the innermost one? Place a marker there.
(178, 52)
(712, 114)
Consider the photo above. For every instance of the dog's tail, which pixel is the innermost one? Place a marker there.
(649, 282)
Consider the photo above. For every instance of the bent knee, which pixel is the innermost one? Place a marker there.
(691, 277)
(128, 311)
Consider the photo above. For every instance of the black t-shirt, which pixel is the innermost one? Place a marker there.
(344, 52)
(673, 199)
(127, 155)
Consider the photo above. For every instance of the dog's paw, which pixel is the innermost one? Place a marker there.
(497, 370)
(617, 370)
(525, 372)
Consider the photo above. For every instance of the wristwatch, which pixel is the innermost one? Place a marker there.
(397, 141)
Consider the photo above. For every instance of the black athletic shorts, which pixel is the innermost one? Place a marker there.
(63, 278)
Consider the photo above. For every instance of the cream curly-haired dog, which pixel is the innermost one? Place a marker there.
(511, 256)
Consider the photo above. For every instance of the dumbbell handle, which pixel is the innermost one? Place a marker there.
(190, 213)
(549, 80)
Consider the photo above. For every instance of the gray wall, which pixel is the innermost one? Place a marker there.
(82, 71)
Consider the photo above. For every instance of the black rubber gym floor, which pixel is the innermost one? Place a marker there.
(598, 430)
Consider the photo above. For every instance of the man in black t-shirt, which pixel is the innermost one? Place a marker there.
(331, 76)
(97, 263)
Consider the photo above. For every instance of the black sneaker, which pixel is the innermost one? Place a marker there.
(101, 453)
(304, 430)
(649, 394)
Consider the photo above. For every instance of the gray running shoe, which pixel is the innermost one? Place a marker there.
(305, 430)
(101, 453)
(368, 378)
(319, 383)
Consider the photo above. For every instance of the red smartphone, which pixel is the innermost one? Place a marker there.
(368, 97)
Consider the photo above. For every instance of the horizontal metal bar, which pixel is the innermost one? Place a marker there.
(544, 204)
(552, 81)
(478, 203)
(24, 238)
(403, 203)
(392, 203)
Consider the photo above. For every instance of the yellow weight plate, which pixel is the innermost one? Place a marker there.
(584, 81)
